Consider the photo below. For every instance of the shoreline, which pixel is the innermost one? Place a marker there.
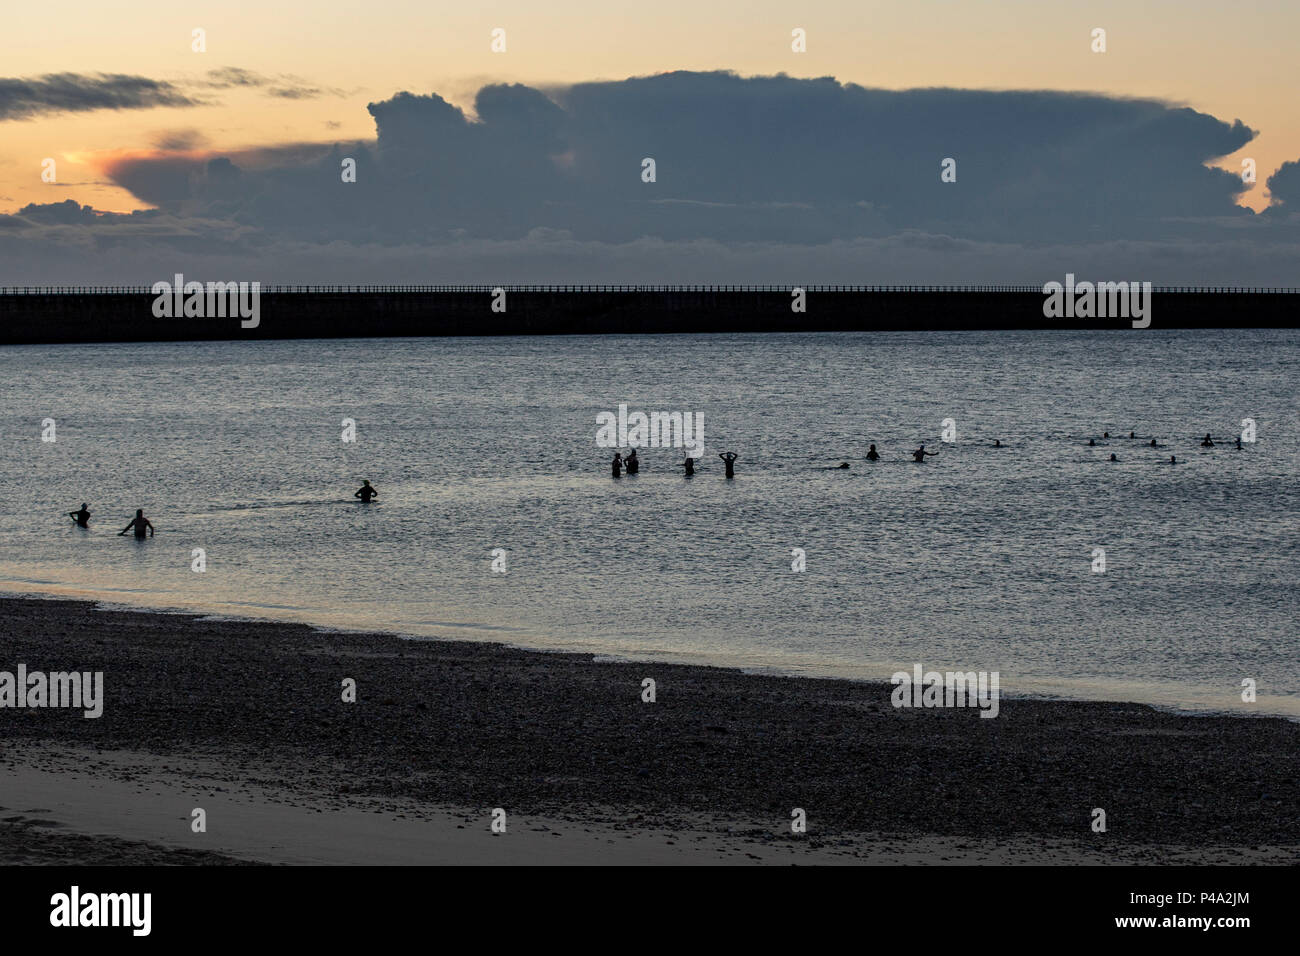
(601, 656)
(446, 727)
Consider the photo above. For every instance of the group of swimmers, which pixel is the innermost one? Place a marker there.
(140, 524)
(1206, 442)
(143, 527)
(633, 465)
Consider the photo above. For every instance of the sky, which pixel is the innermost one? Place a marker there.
(525, 164)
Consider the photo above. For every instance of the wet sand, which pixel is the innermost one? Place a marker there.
(249, 718)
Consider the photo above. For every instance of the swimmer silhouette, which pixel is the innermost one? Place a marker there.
(633, 466)
(1173, 459)
(1207, 443)
(730, 458)
(1113, 458)
(689, 464)
(365, 493)
(80, 518)
(840, 466)
(1153, 443)
(1132, 434)
(920, 453)
(1238, 449)
(616, 465)
(997, 443)
(872, 454)
(1105, 434)
(1091, 443)
(139, 523)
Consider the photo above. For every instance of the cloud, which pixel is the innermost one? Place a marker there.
(757, 178)
(180, 140)
(73, 92)
(286, 86)
(1284, 188)
(751, 158)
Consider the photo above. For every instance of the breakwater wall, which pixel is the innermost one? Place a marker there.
(293, 312)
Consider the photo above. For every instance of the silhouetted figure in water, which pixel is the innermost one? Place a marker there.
(1132, 434)
(1113, 458)
(365, 493)
(920, 454)
(80, 518)
(1238, 449)
(633, 466)
(840, 466)
(1153, 443)
(997, 443)
(616, 466)
(689, 465)
(730, 458)
(1173, 459)
(872, 454)
(1092, 443)
(139, 523)
(1207, 443)
(1105, 434)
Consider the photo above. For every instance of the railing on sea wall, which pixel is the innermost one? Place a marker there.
(486, 289)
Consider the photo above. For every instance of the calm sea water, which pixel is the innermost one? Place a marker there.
(980, 559)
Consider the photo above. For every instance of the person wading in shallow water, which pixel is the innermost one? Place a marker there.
(633, 466)
(730, 458)
(616, 466)
(139, 523)
(80, 518)
(920, 453)
(872, 454)
(689, 464)
(365, 493)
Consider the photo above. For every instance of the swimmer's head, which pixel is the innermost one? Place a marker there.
(139, 512)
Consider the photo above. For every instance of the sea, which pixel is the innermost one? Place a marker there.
(498, 518)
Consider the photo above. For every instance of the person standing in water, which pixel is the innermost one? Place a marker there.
(872, 454)
(633, 466)
(920, 454)
(1112, 457)
(1238, 449)
(616, 466)
(139, 523)
(365, 492)
(689, 464)
(1173, 459)
(997, 443)
(1207, 443)
(730, 458)
(80, 518)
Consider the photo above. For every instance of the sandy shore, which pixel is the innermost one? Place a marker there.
(246, 721)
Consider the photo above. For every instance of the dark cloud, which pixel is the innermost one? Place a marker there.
(286, 86)
(1284, 188)
(73, 92)
(738, 158)
(180, 140)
